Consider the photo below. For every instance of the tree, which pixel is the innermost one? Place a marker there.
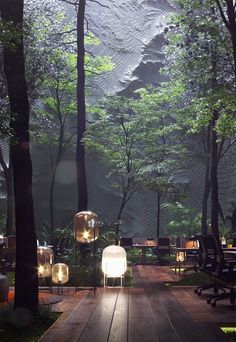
(41, 26)
(201, 43)
(114, 137)
(26, 286)
(161, 143)
(55, 118)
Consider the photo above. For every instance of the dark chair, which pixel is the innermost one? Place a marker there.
(163, 248)
(207, 262)
(192, 253)
(225, 271)
(126, 242)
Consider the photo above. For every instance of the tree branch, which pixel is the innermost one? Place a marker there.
(97, 2)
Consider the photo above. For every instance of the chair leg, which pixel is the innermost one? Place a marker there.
(231, 295)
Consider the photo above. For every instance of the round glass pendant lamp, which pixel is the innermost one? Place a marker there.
(86, 226)
(114, 261)
(45, 258)
(60, 273)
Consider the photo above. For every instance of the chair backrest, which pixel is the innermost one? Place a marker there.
(126, 242)
(180, 241)
(163, 245)
(207, 253)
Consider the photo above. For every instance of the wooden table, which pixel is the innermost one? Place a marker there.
(144, 248)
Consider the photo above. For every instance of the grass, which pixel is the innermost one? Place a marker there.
(20, 327)
(230, 332)
(192, 279)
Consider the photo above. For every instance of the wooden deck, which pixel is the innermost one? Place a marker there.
(148, 312)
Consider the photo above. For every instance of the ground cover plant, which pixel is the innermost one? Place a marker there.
(25, 329)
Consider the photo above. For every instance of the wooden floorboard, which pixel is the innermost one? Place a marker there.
(148, 312)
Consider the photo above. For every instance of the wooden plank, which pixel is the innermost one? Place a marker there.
(142, 329)
(185, 328)
(99, 325)
(119, 328)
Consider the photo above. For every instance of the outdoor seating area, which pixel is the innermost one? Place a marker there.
(117, 170)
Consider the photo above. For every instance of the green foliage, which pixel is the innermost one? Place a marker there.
(185, 220)
(199, 57)
(13, 329)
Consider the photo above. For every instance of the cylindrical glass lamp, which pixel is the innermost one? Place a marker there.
(180, 256)
(60, 273)
(45, 257)
(114, 262)
(86, 226)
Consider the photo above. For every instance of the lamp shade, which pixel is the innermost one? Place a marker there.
(114, 261)
(86, 226)
(60, 273)
(180, 256)
(45, 257)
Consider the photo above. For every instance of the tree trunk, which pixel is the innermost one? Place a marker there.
(158, 213)
(214, 178)
(10, 224)
(53, 179)
(81, 116)
(207, 184)
(26, 279)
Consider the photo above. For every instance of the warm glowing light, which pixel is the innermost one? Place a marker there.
(45, 258)
(40, 270)
(180, 256)
(86, 226)
(60, 273)
(114, 263)
(86, 235)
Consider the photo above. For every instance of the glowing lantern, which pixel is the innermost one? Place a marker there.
(86, 226)
(45, 257)
(180, 256)
(60, 273)
(114, 263)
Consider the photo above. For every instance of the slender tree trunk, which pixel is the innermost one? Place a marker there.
(26, 284)
(158, 213)
(207, 184)
(10, 202)
(119, 216)
(214, 178)
(53, 179)
(81, 116)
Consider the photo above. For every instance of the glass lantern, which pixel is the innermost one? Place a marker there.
(86, 226)
(180, 256)
(45, 258)
(60, 273)
(114, 262)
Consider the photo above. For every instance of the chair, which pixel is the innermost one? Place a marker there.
(192, 253)
(126, 242)
(163, 248)
(207, 262)
(225, 271)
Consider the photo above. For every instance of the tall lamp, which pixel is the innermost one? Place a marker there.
(86, 230)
